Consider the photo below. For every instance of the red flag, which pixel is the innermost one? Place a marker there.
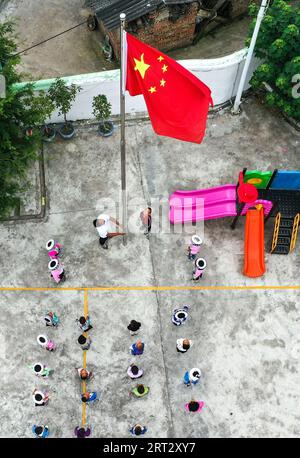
(177, 100)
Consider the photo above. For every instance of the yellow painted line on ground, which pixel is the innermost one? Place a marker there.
(188, 288)
(83, 419)
(85, 304)
(156, 288)
(40, 289)
(84, 360)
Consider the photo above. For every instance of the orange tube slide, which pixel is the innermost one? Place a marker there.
(254, 260)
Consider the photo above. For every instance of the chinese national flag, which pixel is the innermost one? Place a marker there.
(177, 101)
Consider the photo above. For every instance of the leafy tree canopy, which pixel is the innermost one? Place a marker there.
(63, 96)
(20, 113)
(278, 45)
(101, 107)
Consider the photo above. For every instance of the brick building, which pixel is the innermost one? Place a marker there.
(164, 24)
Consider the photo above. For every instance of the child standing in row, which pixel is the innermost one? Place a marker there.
(179, 316)
(84, 342)
(194, 247)
(138, 430)
(51, 319)
(41, 370)
(46, 343)
(192, 377)
(140, 390)
(82, 433)
(134, 372)
(40, 398)
(85, 323)
(134, 327)
(200, 266)
(194, 406)
(40, 431)
(57, 270)
(54, 249)
(137, 348)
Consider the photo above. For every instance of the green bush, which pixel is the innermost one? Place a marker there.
(20, 113)
(101, 107)
(102, 110)
(278, 45)
(63, 96)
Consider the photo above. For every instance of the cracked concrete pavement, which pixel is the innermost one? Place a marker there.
(83, 179)
(246, 342)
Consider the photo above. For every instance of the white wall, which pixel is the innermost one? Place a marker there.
(222, 75)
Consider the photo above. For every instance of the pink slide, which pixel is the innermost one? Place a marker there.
(189, 206)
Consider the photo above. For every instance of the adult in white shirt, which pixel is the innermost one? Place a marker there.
(183, 345)
(102, 224)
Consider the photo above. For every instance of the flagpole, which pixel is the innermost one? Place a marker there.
(260, 17)
(122, 111)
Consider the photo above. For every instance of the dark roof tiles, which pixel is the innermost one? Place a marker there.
(108, 11)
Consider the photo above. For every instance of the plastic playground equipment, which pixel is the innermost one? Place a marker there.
(259, 196)
(254, 259)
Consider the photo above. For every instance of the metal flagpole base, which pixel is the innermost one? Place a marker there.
(236, 111)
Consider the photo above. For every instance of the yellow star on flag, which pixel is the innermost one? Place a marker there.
(141, 66)
(162, 83)
(152, 89)
(160, 58)
(164, 68)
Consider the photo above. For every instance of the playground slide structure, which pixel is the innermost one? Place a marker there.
(217, 202)
(278, 195)
(254, 260)
(204, 204)
(267, 205)
(220, 202)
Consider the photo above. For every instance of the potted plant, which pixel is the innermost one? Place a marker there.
(47, 107)
(42, 107)
(63, 96)
(48, 133)
(102, 111)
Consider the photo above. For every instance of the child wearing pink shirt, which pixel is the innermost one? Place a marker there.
(194, 406)
(46, 343)
(57, 270)
(53, 248)
(200, 266)
(194, 247)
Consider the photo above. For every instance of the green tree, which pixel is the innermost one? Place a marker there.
(20, 113)
(63, 96)
(102, 110)
(278, 45)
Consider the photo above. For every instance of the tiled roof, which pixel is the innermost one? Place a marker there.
(108, 11)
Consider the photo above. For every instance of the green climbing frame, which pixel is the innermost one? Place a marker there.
(259, 179)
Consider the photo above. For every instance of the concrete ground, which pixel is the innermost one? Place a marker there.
(221, 41)
(83, 179)
(76, 52)
(79, 51)
(245, 342)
